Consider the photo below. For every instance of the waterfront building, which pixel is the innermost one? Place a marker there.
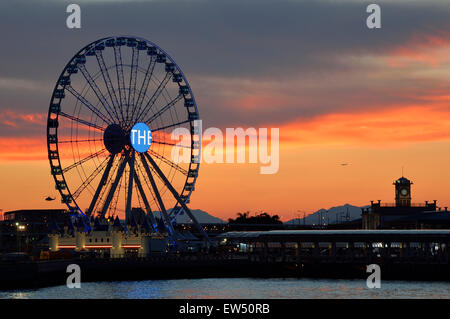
(36, 216)
(403, 214)
(108, 238)
(27, 229)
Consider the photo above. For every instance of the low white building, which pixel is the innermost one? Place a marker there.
(109, 236)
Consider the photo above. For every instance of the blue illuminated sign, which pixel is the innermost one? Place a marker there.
(140, 137)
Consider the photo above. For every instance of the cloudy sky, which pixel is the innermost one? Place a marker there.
(338, 91)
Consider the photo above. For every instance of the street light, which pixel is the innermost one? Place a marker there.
(298, 217)
(19, 228)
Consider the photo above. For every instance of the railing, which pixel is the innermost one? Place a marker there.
(395, 205)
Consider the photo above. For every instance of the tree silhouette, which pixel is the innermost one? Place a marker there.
(261, 218)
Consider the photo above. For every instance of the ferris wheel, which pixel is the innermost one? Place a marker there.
(109, 133)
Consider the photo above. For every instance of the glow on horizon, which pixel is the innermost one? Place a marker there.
(395, 115)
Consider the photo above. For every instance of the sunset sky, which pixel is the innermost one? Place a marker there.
(338, 92)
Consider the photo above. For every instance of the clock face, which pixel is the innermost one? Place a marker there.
(404, 191)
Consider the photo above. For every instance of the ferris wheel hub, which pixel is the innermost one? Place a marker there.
(115, 138)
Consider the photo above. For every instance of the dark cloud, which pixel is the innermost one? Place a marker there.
(308, 103)
(256, 39)
(235, 38)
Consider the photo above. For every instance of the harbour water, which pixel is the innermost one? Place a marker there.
(238, 288)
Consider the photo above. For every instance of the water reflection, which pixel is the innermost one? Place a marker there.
(230, 288)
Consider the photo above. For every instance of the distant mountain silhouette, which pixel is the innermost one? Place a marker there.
(202, 217)
(337, 214)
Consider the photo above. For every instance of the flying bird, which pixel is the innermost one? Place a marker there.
(345, 164)
(48, 198)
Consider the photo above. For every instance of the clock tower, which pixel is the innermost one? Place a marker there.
(403, 192)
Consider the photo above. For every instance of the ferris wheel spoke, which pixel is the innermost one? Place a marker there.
(169, 162)
(144, 87)
(97, 92)
(81, 121)
(144, 199)
(156, 94)
(107, 79)
(88, 180)
(164, 108)
(114, 185)
(87, 158)
(154, 173)
(101, 184)
(157, 194)
(171, 125)
(120, 79)
(133, 76)
(143, 174)
(176, 195)
(81, 141)
(89, 105)
(152, 170)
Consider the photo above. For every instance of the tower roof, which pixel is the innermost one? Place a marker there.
(402, 180)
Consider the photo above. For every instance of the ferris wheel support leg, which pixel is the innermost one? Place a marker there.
(177, 197)
(114, 186)
(146, 203)
(130, 188)
(101, 184)
(157, 194)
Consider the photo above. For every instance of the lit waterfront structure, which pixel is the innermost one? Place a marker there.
(109, 238)
(341, 246)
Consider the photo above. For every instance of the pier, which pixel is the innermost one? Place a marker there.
(401, 254)
(370, 246)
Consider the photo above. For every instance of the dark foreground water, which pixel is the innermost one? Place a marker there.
(239, 288)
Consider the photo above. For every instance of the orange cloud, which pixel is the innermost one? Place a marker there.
(27, 148)
(421, 48)
(379, 128)
(35, 149)
(388, 126)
